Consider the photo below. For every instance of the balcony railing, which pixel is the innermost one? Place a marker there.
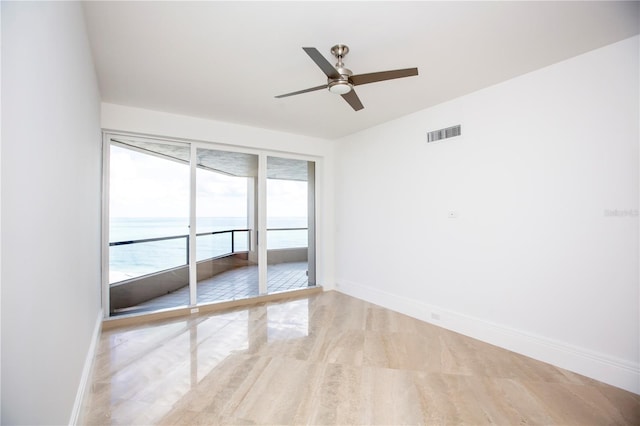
(187, 237)
(158, 259)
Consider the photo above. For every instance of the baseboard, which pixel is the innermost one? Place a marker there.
(86, 371)
(598, 366)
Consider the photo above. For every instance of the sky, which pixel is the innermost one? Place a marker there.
(146, 186)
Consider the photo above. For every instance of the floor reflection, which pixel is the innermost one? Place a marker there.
(328, 358)
(288, 320)
(141, 373)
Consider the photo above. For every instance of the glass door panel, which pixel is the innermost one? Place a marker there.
(184, 224)
(226, 225)
(290, 224)
(148, 226)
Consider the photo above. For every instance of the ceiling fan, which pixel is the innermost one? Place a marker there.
(341, 80)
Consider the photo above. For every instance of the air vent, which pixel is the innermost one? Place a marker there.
(449, 132)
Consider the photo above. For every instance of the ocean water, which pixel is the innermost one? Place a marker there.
(133, 260)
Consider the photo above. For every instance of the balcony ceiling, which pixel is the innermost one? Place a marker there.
(225, 162)
(227, 60)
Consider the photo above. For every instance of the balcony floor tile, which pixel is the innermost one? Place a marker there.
(239, 283)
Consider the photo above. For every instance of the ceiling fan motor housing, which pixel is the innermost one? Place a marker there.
(342, 84)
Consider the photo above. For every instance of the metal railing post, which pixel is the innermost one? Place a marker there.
(233, 245)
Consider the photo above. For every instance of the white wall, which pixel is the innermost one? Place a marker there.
(50, 209)
(535, 261)
(142, 121)
(0, 218)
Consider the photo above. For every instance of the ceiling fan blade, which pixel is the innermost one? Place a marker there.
(373, 77)
(322, 62)
(312, 89)
(353, 100)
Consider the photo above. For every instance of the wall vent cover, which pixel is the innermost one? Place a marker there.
(449, 132)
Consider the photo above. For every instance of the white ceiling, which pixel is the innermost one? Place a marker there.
(227, 60)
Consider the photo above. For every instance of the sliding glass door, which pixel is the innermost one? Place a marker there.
(226, 217)
(148, 226)
(190, 225)
(290, 224)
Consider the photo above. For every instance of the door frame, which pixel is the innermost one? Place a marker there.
(109, 135)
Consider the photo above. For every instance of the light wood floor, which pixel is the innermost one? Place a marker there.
(331, 359)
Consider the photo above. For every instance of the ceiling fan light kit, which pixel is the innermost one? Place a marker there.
(339, 87)
(340, 80)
